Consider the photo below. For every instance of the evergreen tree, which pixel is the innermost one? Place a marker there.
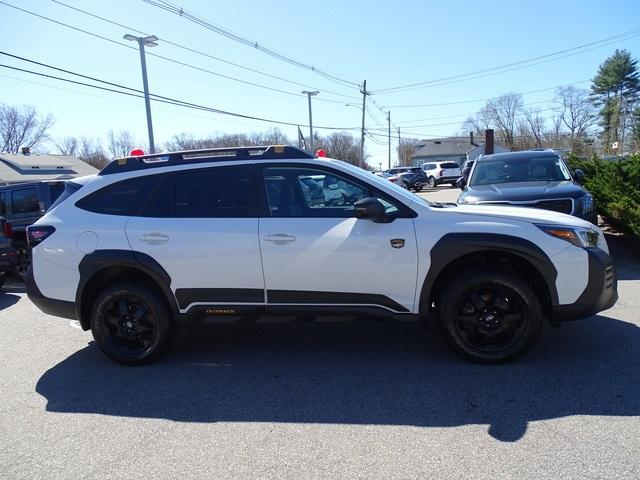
(615, 90)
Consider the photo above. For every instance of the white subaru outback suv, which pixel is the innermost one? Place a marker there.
(234, 234)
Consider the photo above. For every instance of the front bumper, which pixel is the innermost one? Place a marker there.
(600, 294)
(50, 306)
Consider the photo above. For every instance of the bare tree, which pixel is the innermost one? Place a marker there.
(406, 149)
(478, 123)
(68, 145)
(577, 113)
(536, 124)
(22, 127)
(120, 143)
(86, 149)
(503, 112)
(340, 145)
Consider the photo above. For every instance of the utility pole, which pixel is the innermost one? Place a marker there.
(389, 122)
(400, 151)
(149, 41)
(309, 95)
(364, 100)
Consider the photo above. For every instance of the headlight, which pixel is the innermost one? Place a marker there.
(587, 203)
(580, 237)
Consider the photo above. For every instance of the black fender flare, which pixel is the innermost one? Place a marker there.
(99, 260)
(452, 246)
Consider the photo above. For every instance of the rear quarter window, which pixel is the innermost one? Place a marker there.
(121, 198)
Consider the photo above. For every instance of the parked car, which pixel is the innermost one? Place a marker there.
(441, 172)
(466, 168)
(157, 240)
(411, 178)
(21, 205)
(537, 179)
(8, 255)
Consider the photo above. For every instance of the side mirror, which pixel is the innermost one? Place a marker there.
(579, 174)
(461, 183)
(370, 208)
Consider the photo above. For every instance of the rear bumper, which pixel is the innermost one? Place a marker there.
(600, 294)
(440, 180)
(50, 306)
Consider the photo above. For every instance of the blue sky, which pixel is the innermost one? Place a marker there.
(387, 43)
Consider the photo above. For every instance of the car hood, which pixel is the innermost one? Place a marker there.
(530, 215)
(522, 191)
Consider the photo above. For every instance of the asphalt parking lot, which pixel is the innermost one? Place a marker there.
(319, 400)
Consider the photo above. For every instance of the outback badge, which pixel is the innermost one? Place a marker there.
(397, 242)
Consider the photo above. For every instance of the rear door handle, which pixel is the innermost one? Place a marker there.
(279, 238)
(154, 237)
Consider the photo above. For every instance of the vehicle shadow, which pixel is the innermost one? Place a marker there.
(7, 299)
(358, 373)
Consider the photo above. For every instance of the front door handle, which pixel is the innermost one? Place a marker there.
(154, 237)
(279, 238)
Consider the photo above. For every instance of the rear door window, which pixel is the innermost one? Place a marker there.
(218, 192)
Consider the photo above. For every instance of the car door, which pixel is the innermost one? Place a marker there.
(317, 254)
(201, 226)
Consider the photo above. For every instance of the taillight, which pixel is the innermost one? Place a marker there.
(36, 234)
(7, 229)
(441, 174)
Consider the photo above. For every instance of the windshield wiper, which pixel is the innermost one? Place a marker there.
(443, 204)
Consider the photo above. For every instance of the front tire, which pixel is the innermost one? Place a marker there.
(130, 323)
(432, 182)
(490, 316)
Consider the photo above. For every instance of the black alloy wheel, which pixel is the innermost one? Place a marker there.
(130, 323)
(490, 316)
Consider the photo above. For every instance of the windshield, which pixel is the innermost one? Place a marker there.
(519, 169)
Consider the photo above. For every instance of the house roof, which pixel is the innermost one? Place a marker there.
(16, 168)
(445, 146)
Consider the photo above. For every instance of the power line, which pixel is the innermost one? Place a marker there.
(506, 67)
(171, 101)
(199, 52)
(460, 115)
(162, 56)
(164, 5)
(485, 98)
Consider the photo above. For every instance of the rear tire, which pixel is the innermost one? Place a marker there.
(490, 316)
(23, 254)
(130, 323)
(432, 182)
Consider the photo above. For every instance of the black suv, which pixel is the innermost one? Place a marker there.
(412, 178)
(21, 205)
(537, 179)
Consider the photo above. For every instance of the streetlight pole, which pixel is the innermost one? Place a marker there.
(149, 41)
(309, 95)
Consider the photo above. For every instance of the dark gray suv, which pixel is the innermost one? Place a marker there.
(537, 179)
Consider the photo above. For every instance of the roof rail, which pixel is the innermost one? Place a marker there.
(154, 160)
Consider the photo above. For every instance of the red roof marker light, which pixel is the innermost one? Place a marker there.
(136, 152)
(321, 153)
